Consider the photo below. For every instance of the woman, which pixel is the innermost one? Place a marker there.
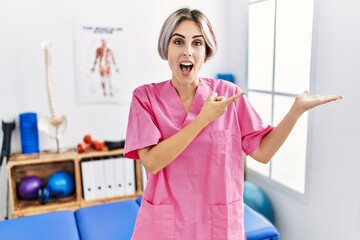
(189, 133)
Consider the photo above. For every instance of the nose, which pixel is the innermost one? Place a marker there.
(187, 51)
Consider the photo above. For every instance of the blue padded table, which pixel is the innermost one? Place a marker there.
(55, 226)
(108, 221)
(257, 227)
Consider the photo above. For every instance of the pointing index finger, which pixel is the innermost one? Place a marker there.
(233, 98)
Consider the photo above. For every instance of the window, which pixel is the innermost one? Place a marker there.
(279, 60)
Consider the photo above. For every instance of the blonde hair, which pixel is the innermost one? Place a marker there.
(175, 19)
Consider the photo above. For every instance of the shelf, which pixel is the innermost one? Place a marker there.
(45, 164)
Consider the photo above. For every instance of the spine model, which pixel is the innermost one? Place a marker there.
(54, 125)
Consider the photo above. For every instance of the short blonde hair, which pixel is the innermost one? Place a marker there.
(175, 19)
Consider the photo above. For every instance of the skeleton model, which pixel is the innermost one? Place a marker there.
(54, 125)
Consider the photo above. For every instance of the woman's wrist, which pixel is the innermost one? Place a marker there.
(295, 112)
(201, 121)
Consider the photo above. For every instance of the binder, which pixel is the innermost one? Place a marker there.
(99, 179)
(109, 177)
(88, 183)
(143, 177)
(129, 173)
(119, 176)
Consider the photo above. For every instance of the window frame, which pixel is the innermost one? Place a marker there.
(253, 175)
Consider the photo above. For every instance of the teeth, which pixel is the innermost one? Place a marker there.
(186, 64)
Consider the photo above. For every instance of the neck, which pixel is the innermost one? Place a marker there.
(186, 93)
(185, 90)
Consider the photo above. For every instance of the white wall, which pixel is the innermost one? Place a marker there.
(25, 24)
(333, 208)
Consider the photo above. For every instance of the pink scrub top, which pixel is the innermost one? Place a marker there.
(200, 194)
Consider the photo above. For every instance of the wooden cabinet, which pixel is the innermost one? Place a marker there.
(44, 165)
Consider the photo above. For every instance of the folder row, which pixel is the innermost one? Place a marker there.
(105, 178)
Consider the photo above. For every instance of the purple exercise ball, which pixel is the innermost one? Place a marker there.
(29, 187)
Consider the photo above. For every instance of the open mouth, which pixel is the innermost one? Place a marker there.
(186, 67)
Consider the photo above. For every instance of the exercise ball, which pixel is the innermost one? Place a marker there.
(256, 198)
(29, 186)
(61, 184)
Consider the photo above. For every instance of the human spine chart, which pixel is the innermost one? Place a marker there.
(54, 125)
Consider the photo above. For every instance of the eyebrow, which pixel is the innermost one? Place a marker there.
(182, 36)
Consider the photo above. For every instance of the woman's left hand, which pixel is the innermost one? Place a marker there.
(305, 101)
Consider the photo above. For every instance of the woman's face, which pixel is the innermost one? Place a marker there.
(186, 53)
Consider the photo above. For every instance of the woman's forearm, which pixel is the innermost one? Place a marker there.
(157, 157)
(276, 137)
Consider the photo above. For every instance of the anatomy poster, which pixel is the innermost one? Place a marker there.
(100, 63)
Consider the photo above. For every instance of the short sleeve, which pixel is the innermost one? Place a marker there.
(142, 130)
(252, 127)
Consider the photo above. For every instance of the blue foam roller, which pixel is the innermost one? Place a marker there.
(29, 133)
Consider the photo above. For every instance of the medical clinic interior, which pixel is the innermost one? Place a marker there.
(68, 71)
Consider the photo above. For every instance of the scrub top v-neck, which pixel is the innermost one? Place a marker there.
(200, 194)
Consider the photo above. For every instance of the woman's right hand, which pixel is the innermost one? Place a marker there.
(215, 106)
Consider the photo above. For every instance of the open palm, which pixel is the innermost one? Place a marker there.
(305, 101)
